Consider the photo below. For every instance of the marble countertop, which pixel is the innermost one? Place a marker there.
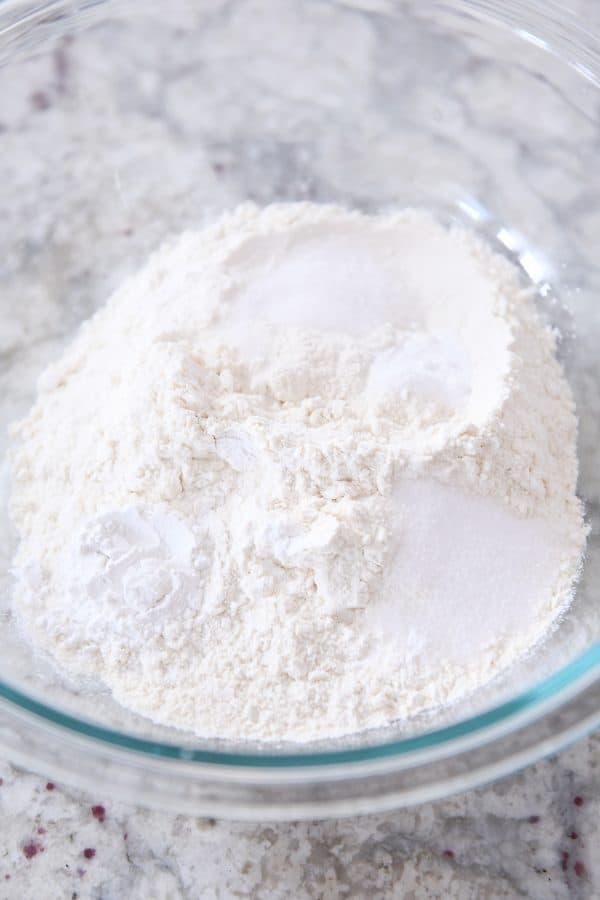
(535, 835)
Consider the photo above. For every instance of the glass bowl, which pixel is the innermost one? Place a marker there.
(122, 123)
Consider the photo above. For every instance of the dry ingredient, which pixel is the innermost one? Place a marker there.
(307, 472)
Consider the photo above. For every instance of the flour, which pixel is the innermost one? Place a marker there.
(306, 473)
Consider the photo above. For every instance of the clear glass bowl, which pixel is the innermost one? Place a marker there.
(121, 123)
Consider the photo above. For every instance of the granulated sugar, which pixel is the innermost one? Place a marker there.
(485, 576)
(306, 473)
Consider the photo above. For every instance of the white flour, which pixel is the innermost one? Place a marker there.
(306, 473)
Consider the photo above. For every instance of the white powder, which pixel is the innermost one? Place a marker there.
(306, 473)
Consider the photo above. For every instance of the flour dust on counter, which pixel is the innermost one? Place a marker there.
(307, 472)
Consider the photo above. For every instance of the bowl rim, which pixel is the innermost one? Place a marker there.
(518, 711)
(580, 49)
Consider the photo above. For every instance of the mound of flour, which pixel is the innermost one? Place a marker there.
(307, 472)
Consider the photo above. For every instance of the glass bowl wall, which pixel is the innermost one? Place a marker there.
(123, 123)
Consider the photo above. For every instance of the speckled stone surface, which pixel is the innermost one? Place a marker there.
(535, 834)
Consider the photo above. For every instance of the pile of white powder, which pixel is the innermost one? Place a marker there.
(307, 472)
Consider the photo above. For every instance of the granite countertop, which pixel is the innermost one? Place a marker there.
(535, 834)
